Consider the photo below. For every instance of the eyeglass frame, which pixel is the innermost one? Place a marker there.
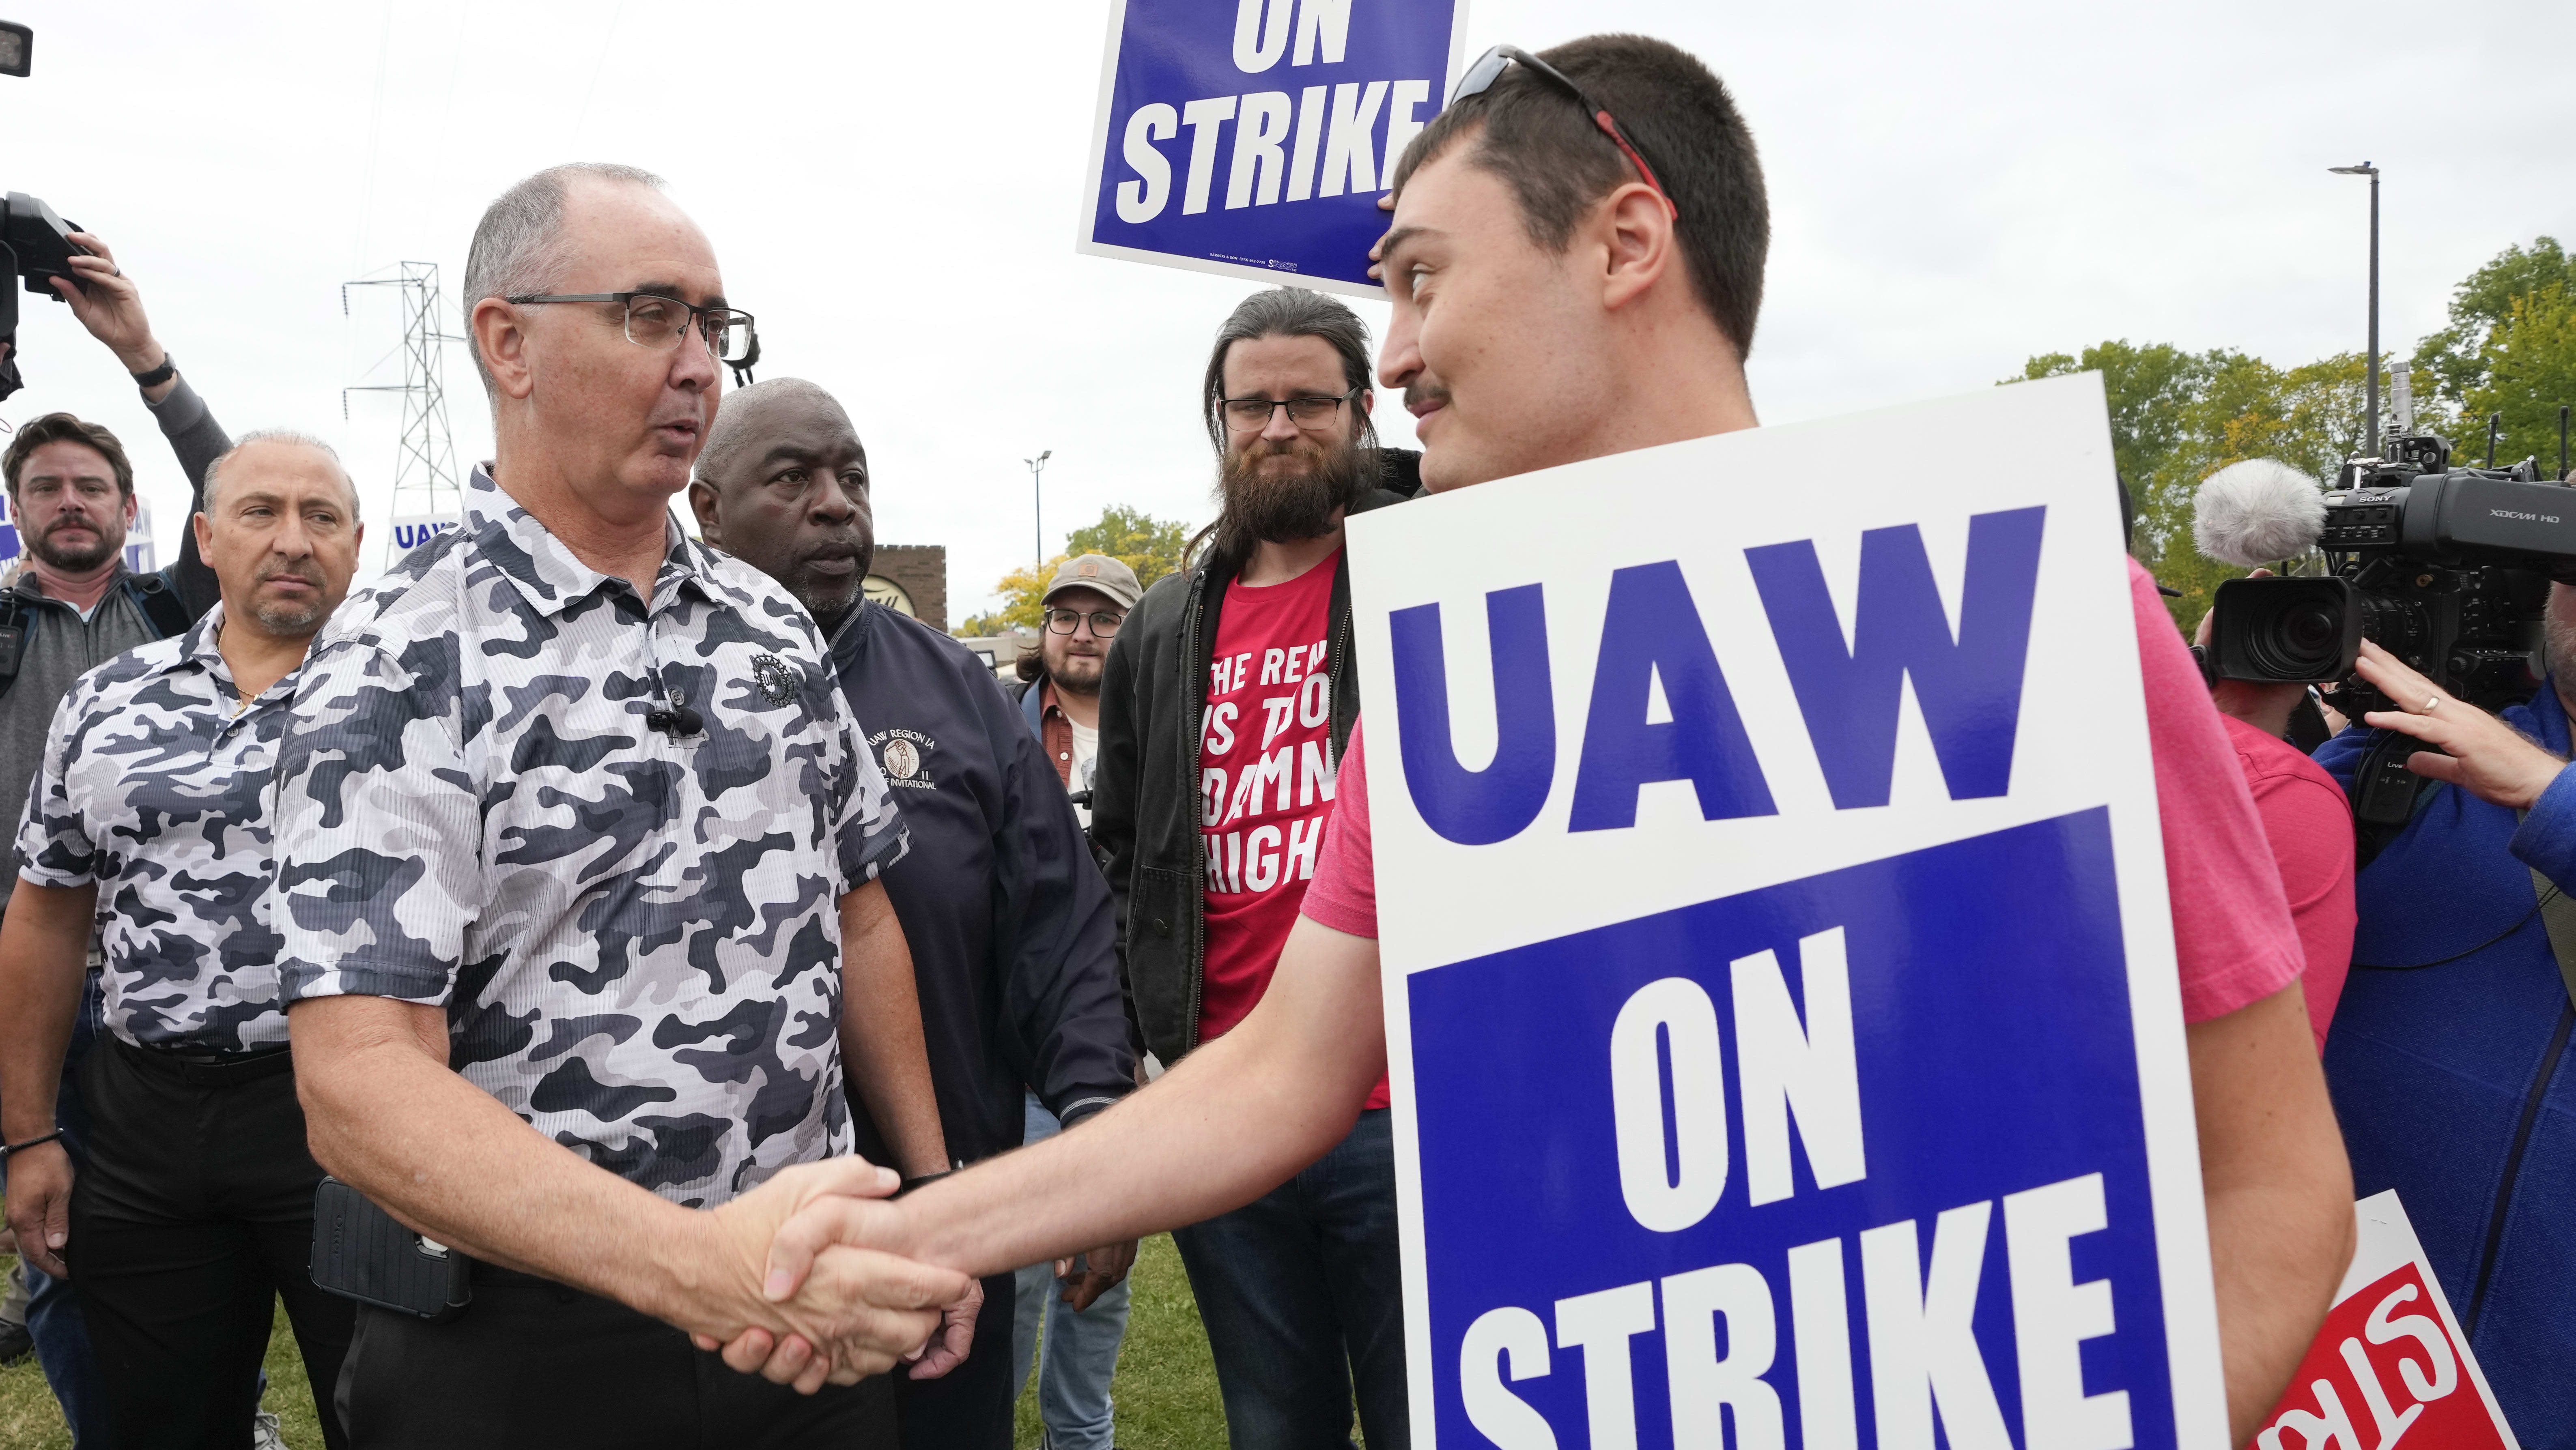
(1278, 403)
(626, 301)
(1117, 618)
(1500, 57)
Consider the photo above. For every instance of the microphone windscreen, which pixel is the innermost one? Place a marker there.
(2257, 512)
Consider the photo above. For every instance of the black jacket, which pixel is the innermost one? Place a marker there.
(1008, 919)
(1145, 793)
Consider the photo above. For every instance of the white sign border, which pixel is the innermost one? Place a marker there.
(1088, 218)
(2170, 1126)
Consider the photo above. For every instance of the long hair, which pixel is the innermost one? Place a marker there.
(1280, 312)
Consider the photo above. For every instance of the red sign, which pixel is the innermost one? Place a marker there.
(2390, 1365)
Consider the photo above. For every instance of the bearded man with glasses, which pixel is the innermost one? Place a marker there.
(1211, 835)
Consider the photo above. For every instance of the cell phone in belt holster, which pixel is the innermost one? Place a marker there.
(361, 1253)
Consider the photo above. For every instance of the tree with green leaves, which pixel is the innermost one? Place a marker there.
(2455, 362)
(1150, 546)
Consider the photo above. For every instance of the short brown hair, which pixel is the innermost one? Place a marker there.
(64, 428)
(1535, 137)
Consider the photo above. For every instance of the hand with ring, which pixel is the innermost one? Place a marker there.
(2476, 751)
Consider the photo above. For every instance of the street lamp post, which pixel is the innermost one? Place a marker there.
(1037, 495)
(2366, 169)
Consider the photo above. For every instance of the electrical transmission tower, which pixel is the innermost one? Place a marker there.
(427, 496)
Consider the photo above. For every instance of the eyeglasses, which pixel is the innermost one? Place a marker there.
(1251, 415)
(1489, 68)
(1104, 622)
(659, 322)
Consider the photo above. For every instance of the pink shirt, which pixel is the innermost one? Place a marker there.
(2309, 827)
(2233, 935)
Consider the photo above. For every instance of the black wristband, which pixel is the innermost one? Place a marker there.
(169, 369)
(30, 1143)
(923, 1181)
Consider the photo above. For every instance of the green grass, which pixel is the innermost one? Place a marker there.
(1165, 1391)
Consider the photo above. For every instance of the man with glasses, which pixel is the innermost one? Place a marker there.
(1059, 691)
(1013, 951)
(1554, 301)
(1227, 700)
(579, 903)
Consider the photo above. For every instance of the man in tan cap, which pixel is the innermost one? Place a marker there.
(1060, 690)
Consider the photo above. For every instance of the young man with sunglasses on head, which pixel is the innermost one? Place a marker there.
(1575, 267)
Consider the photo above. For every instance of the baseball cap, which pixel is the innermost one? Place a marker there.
(1096, 572)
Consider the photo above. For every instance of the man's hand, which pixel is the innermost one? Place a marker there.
(111, 307)
(1103, 1269)
(2484, 756)
(956, 1335)
(40, 1204)
(857, 1312)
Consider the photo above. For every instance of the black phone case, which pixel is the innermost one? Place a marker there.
(361, 1253)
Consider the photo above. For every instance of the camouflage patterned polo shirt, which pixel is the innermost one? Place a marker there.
(154, 785)
(634, 930)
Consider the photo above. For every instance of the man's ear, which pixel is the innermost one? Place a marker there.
(1634, 227)
(500, 336)
(205, 529)
(702, 502)
(133, 507)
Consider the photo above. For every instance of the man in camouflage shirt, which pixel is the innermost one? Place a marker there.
(194, 1211)
(578, 896)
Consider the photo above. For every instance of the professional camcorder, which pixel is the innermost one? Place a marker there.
(2446, 568)
(36, 246)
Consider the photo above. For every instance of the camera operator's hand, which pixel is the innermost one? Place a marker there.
(2486, 757)
(40, 1204)
(112, 309)
(2265, 707)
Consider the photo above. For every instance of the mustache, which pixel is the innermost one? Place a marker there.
(295, 570)
(841, 547)
(1420, 392)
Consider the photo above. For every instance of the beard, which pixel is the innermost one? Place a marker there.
(1259, 504)
(76, 558)
(828, 596)
(292, 621)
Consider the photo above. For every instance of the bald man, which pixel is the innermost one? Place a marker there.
(1010, 922)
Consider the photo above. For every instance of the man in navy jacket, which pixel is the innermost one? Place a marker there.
(1012, 932)
(2448, 1058)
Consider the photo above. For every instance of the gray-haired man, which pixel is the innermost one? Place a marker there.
(149, 823)
(578, 896)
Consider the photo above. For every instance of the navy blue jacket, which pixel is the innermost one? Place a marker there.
(2453, 1083)
(1014, 941)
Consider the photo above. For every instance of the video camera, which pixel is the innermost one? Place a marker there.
(35, 245)
(2446, 568)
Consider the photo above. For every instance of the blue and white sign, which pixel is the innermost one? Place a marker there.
(413, 530)
(1252, 139)
(1780, 984)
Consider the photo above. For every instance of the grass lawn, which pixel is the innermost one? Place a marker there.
(1165, 1391)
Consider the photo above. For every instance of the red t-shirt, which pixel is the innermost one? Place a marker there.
(2232, 934)
(1266, 783)
(2309, 826)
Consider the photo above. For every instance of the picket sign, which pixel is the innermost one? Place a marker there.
(1252, 138)
(413, 530)
(1779, 977)
(2391, 1361)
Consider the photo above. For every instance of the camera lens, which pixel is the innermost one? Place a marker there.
(2301, 630)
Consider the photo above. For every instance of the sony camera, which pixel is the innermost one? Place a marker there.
(35, 247)
(2446, 568)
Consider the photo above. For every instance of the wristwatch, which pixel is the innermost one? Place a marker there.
(169, 369)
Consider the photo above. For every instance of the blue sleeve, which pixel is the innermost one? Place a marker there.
(2546, 840)
(1061, 991)
(2341, 756)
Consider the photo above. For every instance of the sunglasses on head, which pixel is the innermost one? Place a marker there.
(1489, 68)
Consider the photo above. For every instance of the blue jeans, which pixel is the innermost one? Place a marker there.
(1302, 1292)
(53, 1311)
(1081, 1350)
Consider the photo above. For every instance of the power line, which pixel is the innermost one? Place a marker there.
(425, 458)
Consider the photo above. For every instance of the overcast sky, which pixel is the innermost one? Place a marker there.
(892, 189)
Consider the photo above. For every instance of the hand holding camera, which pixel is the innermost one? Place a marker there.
(2471, 748)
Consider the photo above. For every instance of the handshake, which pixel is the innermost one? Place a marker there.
(784, 1286)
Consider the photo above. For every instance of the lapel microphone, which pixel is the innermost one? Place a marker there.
(677, 723)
